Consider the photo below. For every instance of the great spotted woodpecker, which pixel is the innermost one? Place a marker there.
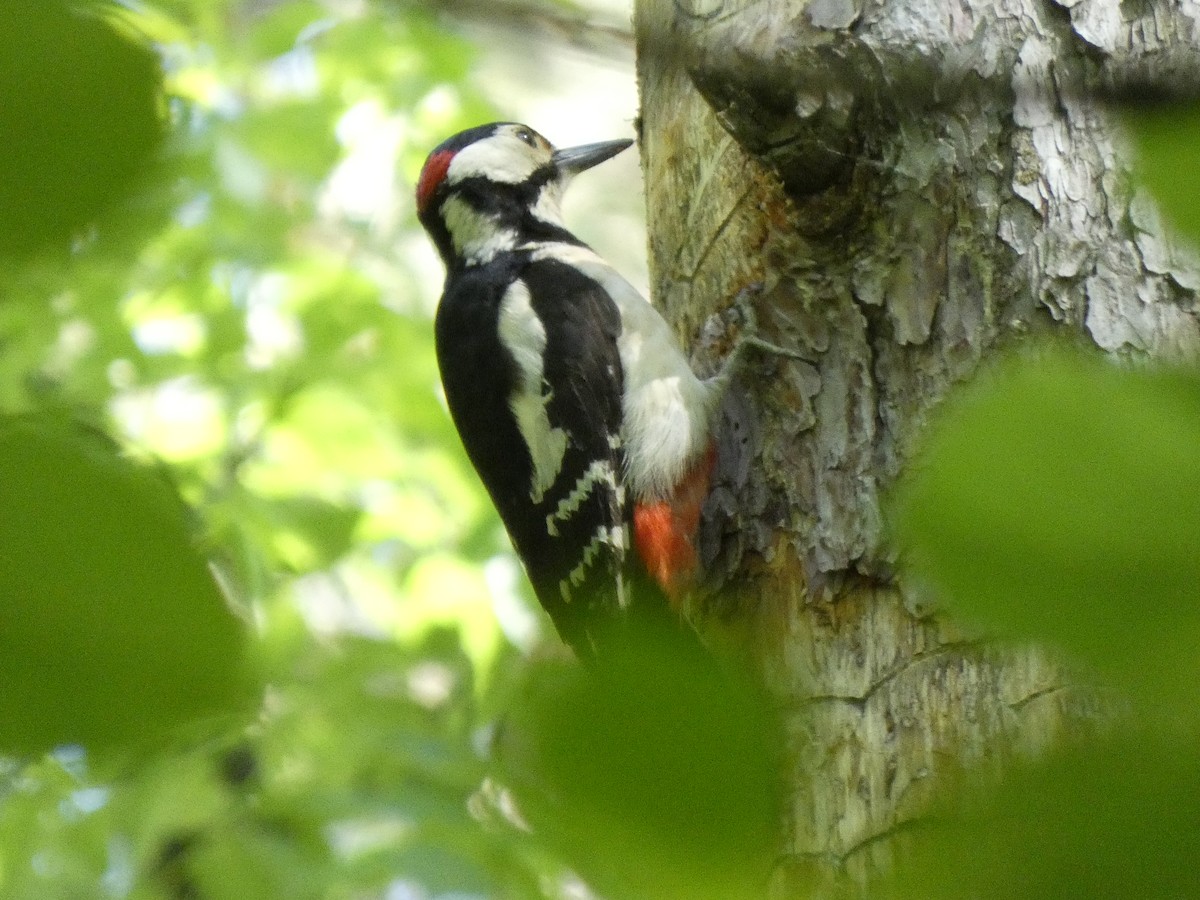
(571, 396)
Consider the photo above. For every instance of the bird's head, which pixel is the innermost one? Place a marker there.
(496, 187)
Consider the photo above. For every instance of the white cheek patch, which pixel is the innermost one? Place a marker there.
(476, 237)
(502, 157)
(524, 337)
(548, 207)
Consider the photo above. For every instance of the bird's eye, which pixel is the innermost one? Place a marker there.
(527, 136)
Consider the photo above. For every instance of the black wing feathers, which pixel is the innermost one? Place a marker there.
(573, 541)
(582, 572)
(478, 378)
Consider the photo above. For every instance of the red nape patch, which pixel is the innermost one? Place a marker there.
(432, 176)
(664, 532)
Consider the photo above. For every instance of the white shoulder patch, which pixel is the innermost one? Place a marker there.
(524, 336)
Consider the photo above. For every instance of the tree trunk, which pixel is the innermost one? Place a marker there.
(907, 187)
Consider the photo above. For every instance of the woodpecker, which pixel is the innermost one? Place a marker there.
(571, 396)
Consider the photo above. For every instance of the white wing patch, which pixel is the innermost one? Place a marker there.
(599, 472)
(524, 337)
(611, 537)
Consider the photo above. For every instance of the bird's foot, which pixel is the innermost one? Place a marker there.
(749, 338)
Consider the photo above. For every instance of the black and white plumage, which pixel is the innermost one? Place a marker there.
(570, 394)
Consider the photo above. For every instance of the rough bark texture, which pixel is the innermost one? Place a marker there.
(908, 187)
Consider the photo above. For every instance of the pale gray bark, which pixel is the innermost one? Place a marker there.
(912, 186)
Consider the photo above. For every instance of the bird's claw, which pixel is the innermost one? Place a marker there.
(744, 304)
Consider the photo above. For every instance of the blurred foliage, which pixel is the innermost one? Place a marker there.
(208, 254)
(1166, 135)
(89, 618)
(1058, 500)
(1108, 822)
(216, 345)
(656, 773)
(72, 144)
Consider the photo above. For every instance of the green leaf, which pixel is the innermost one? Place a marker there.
(655, 774)
(113, 631)
(1168, 143)
(1115, 821)
(79, 111)
(1059, 500)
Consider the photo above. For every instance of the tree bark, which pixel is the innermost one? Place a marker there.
(906, 188)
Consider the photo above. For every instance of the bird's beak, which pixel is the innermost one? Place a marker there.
(573, 160)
